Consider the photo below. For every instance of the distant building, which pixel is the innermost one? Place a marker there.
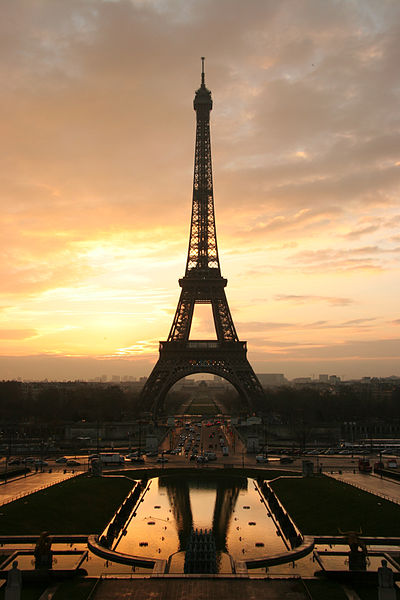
(272, 378)
(323, 378)
(302, 380)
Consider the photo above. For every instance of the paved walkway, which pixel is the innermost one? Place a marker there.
(383, 487)
(31, 483)
(200, 589)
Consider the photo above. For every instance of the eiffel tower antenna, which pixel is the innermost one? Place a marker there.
(203, 284)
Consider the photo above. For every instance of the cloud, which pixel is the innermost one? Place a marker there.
(17, 334)
(357, 233)
(97, 171)
(307, 299)
(345, 259)
(261, 326)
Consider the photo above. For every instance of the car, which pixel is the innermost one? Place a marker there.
(61, 460)
(202, 459)
(137, 459)
(261, 459)
(150, 454)
(14, 461)
(73, 463)
(210, 455)
(41, 463)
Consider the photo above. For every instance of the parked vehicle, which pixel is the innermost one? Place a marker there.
(210, 455)
(73, 463)
(202, 459)
(111, 458)
(260, 458)
(61, 460)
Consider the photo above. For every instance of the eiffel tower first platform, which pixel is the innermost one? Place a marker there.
(203, 284)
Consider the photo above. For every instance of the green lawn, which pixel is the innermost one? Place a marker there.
(201, 409)
(322, 506)
(79, 505)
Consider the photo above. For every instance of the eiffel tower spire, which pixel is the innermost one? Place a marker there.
(202, 284)
(203, 251)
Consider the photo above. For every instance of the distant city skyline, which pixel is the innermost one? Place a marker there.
(98, 144)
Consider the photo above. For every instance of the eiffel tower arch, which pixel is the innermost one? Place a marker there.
(203, 284)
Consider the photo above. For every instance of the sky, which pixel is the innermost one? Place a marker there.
(97, 153)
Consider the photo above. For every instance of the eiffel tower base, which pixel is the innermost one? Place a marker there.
(225, 359)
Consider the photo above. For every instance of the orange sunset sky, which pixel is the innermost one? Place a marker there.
(97, 129)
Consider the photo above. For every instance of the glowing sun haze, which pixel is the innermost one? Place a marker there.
(98, 135)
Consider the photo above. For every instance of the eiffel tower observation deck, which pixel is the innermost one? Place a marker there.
(203, 284)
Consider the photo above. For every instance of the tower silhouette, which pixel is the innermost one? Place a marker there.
(202, 284)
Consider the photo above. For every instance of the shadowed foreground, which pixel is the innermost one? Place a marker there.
(201, 589)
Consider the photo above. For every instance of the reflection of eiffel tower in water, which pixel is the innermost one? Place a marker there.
(202, 284)
(227, 492)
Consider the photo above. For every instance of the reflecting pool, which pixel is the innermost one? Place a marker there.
(172, 506)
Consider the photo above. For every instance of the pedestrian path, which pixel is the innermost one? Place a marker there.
(14, 489)
(382, 487)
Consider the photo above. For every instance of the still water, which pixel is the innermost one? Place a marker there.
(230, 507)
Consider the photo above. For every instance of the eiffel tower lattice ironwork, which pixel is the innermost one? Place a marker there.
(202, 284)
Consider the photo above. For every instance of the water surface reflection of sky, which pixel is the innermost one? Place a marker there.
(231, 507)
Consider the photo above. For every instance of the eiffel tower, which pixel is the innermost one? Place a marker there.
(203, 284)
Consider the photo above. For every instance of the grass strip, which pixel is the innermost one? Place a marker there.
(79, 505)
(322, 506)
